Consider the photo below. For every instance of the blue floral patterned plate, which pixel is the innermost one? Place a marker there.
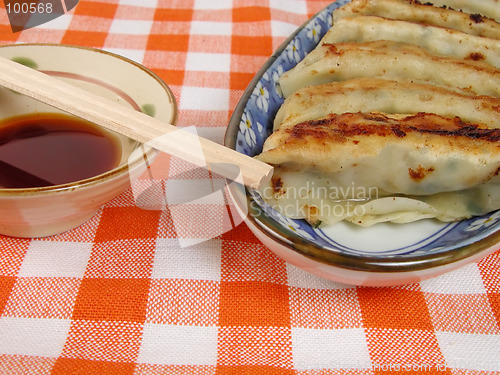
(385, 254)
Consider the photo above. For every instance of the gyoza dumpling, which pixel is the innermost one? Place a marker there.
(425, 14)
(390, 60)
(488, 8)
(379, 95)
(394, 167)
(437, 40)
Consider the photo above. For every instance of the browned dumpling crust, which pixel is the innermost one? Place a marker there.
(394, 117)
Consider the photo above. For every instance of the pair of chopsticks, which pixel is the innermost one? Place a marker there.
(133, 124)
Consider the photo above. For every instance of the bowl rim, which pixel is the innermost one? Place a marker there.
(119, 170)
(364, 263)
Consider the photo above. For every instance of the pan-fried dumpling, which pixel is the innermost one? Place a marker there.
(394, 117)
(393, 61)
(379, 95)
(425, 14)
(437, 40)
(372, 167)
(488, 8)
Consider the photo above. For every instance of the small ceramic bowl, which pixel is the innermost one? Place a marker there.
(44, 211)
(383, 255)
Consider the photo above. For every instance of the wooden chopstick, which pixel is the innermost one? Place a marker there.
(133, 124)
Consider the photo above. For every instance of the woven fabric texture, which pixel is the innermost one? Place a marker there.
(123, 294)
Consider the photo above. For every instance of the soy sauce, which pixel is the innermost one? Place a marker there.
(46, 149)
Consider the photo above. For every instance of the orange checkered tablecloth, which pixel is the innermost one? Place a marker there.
(120, 295)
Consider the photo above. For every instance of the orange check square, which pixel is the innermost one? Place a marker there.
(95, 9)
(254, 348)
(254, 303)
(491, 281)
(119, 223)
(43, 297)
(251, 14)
(394, 308)
(255, 370)
(85, 39)
(494, 299)
(6, 34)
(252, 262)
(409, 351)
(168, 42)
(75, 366)
(171, 76)
(23, 364)
(112, 300)
(103, 341)
(240, 81)
(6, 285)
(13, 253)
(114, 259)
(241, 233)
(325, 309)
(488, 268)
(252, 45)
(464, 313)
(167, 14)
(184, 302)
(157, 369)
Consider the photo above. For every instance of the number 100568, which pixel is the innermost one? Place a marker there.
(28, 8)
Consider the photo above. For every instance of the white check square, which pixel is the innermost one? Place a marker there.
(55, 259)
(209, 62)
(197, 262)
(213, 5)
(194, 191)
(131, 27)
(178, 345)
(211, 28)
(301, 279)
(204, 99)
(465, 280)
(292, 6)
(59, 23)
(140, 3)
(34, 337)
(470, 351)
(330, 349)
(279, 28)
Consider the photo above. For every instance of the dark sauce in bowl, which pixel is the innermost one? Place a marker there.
(46, 149)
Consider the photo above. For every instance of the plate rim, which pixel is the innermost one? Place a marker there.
(378, 264)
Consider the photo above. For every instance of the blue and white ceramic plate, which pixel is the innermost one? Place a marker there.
(396, 253)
